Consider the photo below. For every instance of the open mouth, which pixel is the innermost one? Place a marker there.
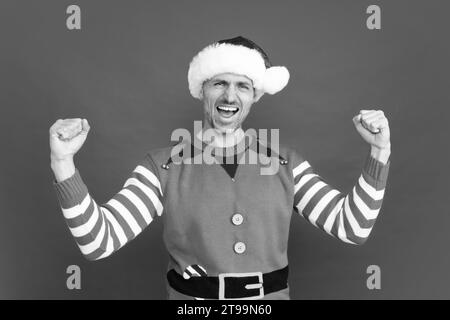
(227, 111)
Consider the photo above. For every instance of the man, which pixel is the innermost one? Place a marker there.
(225, 224)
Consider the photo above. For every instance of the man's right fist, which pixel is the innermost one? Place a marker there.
(66, 137)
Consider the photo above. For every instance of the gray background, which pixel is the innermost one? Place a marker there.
(126, 71)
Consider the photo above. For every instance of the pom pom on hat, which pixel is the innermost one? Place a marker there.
(275, 79)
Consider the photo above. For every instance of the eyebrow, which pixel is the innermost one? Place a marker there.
(247, 83)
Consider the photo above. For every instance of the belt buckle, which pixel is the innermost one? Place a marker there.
(258, 285)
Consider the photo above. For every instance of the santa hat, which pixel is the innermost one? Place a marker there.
(240, 56)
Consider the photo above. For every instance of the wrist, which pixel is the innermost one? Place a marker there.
(60, 159)
(62, 168)
(381, 154)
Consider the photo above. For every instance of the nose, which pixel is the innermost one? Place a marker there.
(230, 95)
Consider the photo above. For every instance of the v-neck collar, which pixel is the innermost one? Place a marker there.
(233, 154)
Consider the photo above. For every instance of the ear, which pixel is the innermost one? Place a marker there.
(258, 94)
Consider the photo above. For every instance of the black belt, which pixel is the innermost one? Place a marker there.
(248, 285)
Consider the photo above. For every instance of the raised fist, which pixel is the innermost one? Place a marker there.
(373, 126)
(66, 137)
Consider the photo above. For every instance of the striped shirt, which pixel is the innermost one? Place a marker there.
(100, 230)
(348, 217)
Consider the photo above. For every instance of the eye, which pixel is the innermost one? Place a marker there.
(244, 86)
(218, 84)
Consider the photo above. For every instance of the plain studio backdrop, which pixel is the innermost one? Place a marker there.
(126, 72)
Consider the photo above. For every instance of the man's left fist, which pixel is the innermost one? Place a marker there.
(373, 127)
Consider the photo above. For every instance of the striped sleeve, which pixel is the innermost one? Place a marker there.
(100, 230)
(349, 217)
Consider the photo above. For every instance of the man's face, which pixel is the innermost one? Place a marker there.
(227, 99)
